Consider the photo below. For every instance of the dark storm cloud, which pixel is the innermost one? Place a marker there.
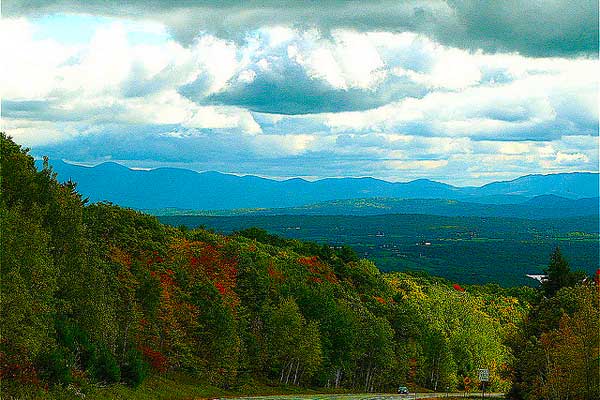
(537, 28)
(530, 27)
(289, 90)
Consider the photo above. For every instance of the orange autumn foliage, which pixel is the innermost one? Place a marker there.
(318, 268)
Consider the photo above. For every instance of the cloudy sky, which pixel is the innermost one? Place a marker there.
(464, 92)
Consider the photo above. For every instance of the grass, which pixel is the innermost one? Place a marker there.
(173, 386)
(180, 386)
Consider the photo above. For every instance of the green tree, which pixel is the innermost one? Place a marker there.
(293, 344)
(559, 274)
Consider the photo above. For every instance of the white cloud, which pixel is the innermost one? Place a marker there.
(282, 145)
(571, 158)
(89, 82)
(212, 117)
(359, 60)
(30, 67)
(217, 59)
(517, 108)
(39, 133)
(416, 164)
(444, 111)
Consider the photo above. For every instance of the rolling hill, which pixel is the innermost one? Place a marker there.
(539, 207)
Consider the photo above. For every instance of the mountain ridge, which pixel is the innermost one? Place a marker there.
(168, 187)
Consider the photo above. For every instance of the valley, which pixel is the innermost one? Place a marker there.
(464, 249)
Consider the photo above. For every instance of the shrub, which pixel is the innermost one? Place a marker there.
(55, 367)
(104, 366)
(134, 369)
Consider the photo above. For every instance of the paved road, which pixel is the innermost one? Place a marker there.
(369, 396)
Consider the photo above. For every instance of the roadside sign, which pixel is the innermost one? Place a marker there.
(484, 374)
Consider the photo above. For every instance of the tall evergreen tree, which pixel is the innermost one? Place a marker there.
(558, 273)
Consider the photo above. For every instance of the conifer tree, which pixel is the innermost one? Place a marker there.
(558, 273)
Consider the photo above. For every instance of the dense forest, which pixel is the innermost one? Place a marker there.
(94, 293)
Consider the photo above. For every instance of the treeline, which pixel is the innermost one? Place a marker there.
(98, 293)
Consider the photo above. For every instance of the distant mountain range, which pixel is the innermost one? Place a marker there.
(185, 189)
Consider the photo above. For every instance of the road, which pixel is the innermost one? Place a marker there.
(369, 396)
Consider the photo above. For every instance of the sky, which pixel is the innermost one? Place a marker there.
(463, 92)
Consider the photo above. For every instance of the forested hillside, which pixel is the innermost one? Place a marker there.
(472, 250)
(94, 293)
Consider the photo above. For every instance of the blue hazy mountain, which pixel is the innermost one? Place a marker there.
(573, 185)
(185, 189)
